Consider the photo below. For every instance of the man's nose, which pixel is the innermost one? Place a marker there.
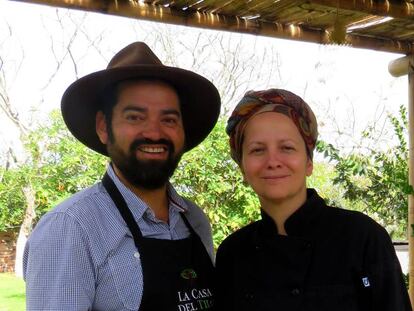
(152, 130)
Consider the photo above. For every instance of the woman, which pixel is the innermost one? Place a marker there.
(302, 254)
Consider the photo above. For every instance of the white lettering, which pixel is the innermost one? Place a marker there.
(183, 296)
(187, 307)
(194, 293)
(202, 293)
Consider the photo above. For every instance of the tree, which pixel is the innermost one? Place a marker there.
(59, 167)
(73, 40)
(209, 177)
(378, 179)
(233, 63)
(206, 175)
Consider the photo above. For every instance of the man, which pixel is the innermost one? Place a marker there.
(130, 242)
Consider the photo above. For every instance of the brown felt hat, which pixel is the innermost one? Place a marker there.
(199, 98)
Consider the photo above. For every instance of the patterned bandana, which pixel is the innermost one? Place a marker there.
(272, 100)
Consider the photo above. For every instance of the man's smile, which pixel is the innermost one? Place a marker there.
(152, 149)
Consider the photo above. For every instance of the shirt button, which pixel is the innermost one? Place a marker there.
(295, 291)
(136, 255)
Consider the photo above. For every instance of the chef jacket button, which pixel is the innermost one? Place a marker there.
(136, 255)
(295, 291)
(306, 245)
(249, 296)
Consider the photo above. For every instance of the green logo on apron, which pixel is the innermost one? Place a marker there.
(188, 274)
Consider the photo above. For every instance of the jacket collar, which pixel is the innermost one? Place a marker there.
(300, 222)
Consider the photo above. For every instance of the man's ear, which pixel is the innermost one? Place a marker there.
(101, 128)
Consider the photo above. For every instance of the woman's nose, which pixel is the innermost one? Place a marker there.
(274, 160)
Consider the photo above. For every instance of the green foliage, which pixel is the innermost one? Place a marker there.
(63, 165)
(12, 200)
(57, 167)
(377, 179)
(209, 177)
(322, 180)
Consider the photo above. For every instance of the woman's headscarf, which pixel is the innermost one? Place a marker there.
(272, 100)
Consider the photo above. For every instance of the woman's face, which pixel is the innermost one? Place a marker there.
(274, 158)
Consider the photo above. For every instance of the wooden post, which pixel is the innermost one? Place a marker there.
(411, 177)
(397, 68)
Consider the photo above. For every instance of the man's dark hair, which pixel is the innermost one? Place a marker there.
(109, 99)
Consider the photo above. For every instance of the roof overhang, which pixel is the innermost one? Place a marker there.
(378, 25)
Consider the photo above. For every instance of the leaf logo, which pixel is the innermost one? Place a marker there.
(188, 274)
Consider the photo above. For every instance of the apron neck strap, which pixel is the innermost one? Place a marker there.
(123, 209)
(125, 212)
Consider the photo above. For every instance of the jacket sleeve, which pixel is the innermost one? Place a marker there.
(224, 277)
(386, 284)
(57, 266)
(201, 225)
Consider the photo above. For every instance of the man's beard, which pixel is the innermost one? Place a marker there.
(147, 174)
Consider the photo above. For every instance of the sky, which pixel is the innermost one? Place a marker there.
(348, 88)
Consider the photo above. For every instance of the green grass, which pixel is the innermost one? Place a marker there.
(12, 293)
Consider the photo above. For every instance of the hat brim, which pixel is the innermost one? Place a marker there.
(199, 101)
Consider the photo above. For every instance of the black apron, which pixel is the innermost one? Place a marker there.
(178, 274)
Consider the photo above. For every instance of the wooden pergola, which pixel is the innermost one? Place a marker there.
(381, 25)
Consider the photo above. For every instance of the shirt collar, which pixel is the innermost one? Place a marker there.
(139, 207)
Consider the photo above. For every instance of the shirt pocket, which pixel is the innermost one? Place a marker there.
(125, 266)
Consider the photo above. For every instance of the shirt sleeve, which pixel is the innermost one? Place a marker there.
(384, 280)
(58, 267)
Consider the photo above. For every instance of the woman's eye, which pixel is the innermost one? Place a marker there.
(256, 150)
(288, 148)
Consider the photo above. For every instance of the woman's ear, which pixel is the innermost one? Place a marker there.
(309, 167)
(244, 175)
(101, 128)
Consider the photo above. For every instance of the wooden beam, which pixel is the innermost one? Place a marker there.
(159, 13)
(396, 9)
(400, 66)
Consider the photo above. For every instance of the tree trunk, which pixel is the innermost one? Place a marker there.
(25, 228)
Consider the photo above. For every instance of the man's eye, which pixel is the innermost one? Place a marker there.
(134, 117)
(170, 121)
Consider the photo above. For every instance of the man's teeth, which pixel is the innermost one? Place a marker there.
(152, 149)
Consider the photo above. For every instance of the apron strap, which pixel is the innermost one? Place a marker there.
(123, 209)
(126, 214)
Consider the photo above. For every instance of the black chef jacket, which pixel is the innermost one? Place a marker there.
(331, 259)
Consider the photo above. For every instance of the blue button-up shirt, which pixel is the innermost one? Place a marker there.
(81, 255)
